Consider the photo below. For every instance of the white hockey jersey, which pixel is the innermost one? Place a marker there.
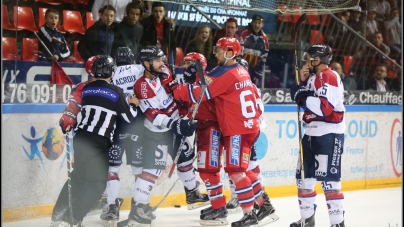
(125, 77)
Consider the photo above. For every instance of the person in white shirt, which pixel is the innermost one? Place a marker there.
(119, 6)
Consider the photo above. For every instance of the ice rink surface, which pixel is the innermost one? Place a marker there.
(363, 208)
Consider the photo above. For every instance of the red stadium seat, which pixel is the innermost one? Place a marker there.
(41, 19)
(82, 2)
(55, 2)
(9, 48)
(313, 18)
(179, 55)
(29, 49)
(76, 55)
(6, 19)
(297, 12)
(314, 34)
(287, 16)
(327, 19)
(347, 64)
(89, 20)
(72, 22)
(24, 19)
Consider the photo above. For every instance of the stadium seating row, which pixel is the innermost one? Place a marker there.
(24, 20)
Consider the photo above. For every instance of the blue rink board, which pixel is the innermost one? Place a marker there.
(58, 108)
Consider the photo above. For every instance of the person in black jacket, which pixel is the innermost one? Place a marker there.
(129, 32)
(157, 31)
(102, 105)
(53, 39)
(98, 38)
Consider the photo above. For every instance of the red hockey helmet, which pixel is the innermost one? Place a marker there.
(89, 64)
(193, 56)
(228, 43)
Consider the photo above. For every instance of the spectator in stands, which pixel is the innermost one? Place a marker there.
(98, 38)
(372, 25)
(382, 9)
(396, 82)
(119, 5)
(348, 81)
(373, 56)
(52, 38)
(157, 31)
(203, 43)
(255, 47)
(230, 30)
(337, 32)
(393, 32)
(129, 32)
(146, 7)
(357, 22)
(378, 81)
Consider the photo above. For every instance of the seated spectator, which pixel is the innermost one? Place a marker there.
(396, 83)
(158, 31)
(357, 22)
(52, 38)
(98, 38)
(372, 25)
(348, 81)
(382, 9)
(129, 32)
(394, 33)
(373, 57)
(377, 82)
(119, 6)
(203, 43)
(229, 30)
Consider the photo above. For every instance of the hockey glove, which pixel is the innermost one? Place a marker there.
(167, 82)
(67, 121)
(183, 127)
(299, 92)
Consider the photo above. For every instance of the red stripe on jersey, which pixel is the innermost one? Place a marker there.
(113, 178)
(326, 77)
(334, 196)
(148, 177)
(306, 195)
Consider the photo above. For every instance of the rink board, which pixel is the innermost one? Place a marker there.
(31, 182)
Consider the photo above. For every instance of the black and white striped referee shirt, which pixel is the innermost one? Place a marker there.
(102, 104)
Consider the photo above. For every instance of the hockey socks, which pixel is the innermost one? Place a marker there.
(306, 203)
(335, 204)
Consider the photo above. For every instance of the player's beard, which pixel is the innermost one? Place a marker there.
(220, 62)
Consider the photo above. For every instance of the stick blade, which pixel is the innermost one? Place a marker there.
(199, 70)
(299, 22)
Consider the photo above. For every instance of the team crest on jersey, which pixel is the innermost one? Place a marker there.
(115, 152)
(246, 157)
(214, 156)
(208, 80)
(235, 150)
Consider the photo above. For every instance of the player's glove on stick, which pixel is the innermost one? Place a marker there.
(183, 127)
(168, 82)
(299, 92)
(67, 121)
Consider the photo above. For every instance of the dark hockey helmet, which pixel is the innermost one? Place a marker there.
(124, 56)
(242, 62)
(228, 43)
(190, 71)
(149, 53)
(324, 52)
(104, 67)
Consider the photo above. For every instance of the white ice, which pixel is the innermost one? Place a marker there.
(363, 208)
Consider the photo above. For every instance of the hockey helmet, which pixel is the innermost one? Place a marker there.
(242, 62)
(89, 64)
(324, 52)
(124, 56)
(190, 71)
(150, 53)
(104, 67)
(228, 43)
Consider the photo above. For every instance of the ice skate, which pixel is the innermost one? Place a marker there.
(233, 206)
(138, 217)
(247, 220)
(65, 224)
(148, 212)
(214, 217)
(339, 225)
(266, 213)
(111, 216)
(304, 222)
(195, 199)
(206, 210)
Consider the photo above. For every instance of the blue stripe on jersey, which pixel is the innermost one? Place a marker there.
(218, 71)
(214, 149)
(101, 92)
(235, 150)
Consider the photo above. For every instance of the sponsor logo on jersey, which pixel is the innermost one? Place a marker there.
(336, 155)
(214, 156)
(143, 89)
(168, 100)
(101, 92)
(321, 165)
(235, 150)
(115, 152)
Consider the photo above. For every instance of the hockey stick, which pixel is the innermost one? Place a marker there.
(199, 70)
(295, 30)
(69, 183)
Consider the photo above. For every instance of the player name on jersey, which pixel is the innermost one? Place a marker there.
(59, 93)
